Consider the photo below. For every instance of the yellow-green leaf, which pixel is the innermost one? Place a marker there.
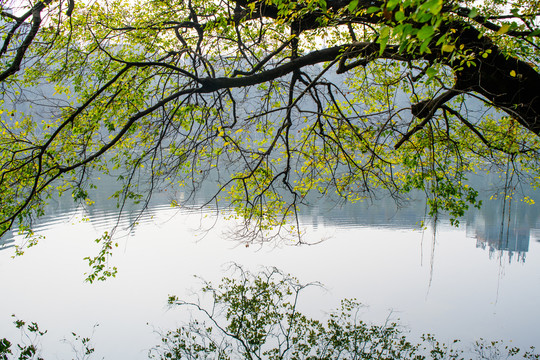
(504, 29)
(447, 48)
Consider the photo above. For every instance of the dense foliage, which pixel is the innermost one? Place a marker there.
(258, 316)
(273, 100)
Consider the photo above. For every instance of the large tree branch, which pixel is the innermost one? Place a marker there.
(21, 51)
(507, 81)
(354, 50)
(510, 83)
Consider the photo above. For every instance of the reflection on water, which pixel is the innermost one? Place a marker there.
(504, 227)
(501, 227)
(6, 243)
(372, 254)
(513, 240)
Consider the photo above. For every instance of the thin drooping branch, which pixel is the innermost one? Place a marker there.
(263, 62)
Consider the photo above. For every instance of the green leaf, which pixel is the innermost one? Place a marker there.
(423, 17)
(373, 9)
(383, 39)
(424, 48)
(433, 6)
(431, 72)
(391, 4)
(352, 5)
(399, 16)
(425, 32)
(385, 32)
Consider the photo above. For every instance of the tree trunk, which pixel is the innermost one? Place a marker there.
(509, 83)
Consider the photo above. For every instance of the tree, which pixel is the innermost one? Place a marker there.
(273, 99)
(258, 316)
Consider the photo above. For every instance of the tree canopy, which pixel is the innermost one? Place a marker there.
(273, 100)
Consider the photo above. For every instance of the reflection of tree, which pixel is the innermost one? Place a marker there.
(257, 316)
(502, 225)
(382, 212)
(497, 226)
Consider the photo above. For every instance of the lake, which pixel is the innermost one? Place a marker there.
(480, 280)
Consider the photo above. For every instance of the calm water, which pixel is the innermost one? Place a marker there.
(479, 280)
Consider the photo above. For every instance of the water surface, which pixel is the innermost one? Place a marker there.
(479, 280)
